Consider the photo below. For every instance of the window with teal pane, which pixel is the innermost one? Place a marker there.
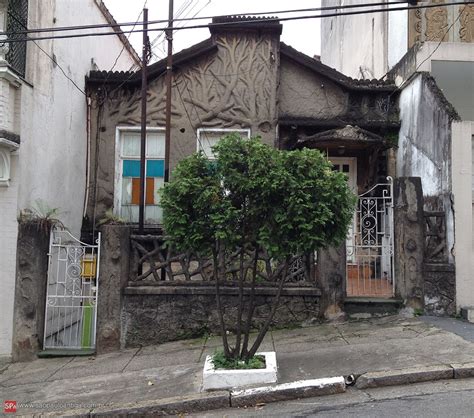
(155, 168)
(131, 168)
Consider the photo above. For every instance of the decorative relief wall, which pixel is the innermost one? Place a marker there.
(441, 24)
(466, 31)
(234, 88)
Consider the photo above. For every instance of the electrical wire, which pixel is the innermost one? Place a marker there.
(52, 58)
(109, 25)
(248, 22)
(128, 37)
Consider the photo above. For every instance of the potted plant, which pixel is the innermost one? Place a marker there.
(251, 211)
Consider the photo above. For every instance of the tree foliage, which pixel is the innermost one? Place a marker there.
(256, 197)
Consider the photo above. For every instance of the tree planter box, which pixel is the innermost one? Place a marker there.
(226, 379)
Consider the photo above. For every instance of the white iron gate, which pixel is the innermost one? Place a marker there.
(71, 300)
(370, 267)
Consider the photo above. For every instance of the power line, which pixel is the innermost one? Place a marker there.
(118, 25)
(52, 58)
(250, 22)
(128, 37)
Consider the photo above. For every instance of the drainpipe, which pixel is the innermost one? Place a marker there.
(88, 155)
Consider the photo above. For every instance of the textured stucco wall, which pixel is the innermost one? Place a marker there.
(50, 116)
(232, 88)
(303, 94)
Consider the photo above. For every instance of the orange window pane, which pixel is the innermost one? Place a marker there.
(150, 191)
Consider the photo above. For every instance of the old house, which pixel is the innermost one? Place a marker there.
(429, 55)
(242, 79)
(43, 142)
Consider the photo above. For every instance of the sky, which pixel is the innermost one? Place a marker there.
(304, 35)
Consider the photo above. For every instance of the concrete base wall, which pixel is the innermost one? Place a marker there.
(157, 314)
(30, 290)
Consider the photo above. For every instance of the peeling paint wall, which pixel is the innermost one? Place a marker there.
(425, 145)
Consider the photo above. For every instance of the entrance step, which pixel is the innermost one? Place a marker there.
(363, 307)
(65, 353)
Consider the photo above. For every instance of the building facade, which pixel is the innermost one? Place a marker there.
(43, 122)
(429, 55)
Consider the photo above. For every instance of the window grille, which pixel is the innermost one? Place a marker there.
(17, 20)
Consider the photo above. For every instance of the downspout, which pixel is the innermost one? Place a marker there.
(88, 155)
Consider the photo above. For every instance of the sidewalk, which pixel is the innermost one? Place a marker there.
(173, 370)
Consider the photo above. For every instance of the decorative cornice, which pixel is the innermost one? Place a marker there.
(7, 74)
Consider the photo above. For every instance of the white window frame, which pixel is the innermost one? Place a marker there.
(119, 130)
(201, 131)
(6, 149)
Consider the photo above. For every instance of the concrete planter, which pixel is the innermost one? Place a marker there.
(227, 379)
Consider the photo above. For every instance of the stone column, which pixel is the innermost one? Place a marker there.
(331, 273)
(409, 241)
(30, 290)
(113, 278)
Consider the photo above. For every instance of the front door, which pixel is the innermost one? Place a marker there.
(348, 166)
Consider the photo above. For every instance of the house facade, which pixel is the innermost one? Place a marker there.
(242, 79)
(43, 123)
(429, 55)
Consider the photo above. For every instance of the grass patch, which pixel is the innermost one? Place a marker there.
(221, 362)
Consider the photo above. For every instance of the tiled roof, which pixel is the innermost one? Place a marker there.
(331, 73)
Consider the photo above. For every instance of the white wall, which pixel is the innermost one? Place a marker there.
(365, 45)
(54, 111)
(462, 191)
(51, 161)
(424, 147)
(9, 231)
(397, 37)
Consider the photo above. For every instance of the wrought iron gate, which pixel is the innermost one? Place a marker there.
(370, 267)
(71, 300)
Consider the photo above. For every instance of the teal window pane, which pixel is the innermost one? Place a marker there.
(155, 168)
(131, 168)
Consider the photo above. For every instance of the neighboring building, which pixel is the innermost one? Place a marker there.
(429, 54)
(43, 121)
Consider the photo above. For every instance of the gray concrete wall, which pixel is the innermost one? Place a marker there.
(156, 314)
(331, 279)
(30, 290)
(114, 274)
(409, 240)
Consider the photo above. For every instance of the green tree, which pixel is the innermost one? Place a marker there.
(253, 200)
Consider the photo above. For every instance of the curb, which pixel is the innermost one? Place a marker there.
(287, 391)
(415, 375)
(207, 401)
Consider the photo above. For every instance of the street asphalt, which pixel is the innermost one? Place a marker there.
(171, 373)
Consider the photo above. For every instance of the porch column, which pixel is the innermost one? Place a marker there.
(331, 279)
(409, 241)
